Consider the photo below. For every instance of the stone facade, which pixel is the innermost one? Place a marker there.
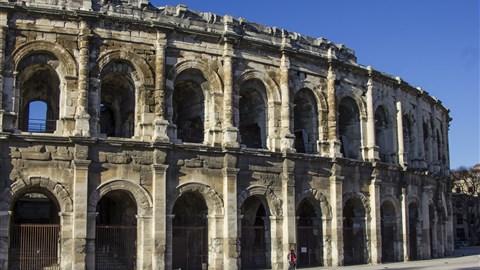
(245, 139)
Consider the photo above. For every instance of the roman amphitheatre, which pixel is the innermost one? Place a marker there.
(175, 138)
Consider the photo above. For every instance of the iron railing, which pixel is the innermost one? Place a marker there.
(34, 247)
(115, 247)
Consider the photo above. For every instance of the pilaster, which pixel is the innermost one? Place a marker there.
(82, 118)
(405, 225)
(336, 199)
(426, 237)
(231, 231)
(375, 219)
(161, 124)
(159, 216)
(144, 241)
(80, 217)
(277, 258)
(288, 199)
(67, 242)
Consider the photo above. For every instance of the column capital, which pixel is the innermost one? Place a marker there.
(160, 168)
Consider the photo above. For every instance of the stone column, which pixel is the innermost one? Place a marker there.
(161, 124)
(332, 112)
(80, 202)
(336, 199)
(4, 238)
(405, 225)
(230, 132)
(231, 232)
(375, 219)
(371, 152)
(159, 217)
(289, 211)
(90, 245)
(287, 138)
(3, 28)
(144, 241)
(401, 144)
(82, 118)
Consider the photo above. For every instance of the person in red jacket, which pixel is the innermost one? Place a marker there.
(292, 260)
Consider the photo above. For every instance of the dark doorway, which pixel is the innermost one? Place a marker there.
(116, 232)
(309, 236)
(253, 240)
(389, 238)
(35, 233)
(354, 233)
(190, 235)
(412, 230)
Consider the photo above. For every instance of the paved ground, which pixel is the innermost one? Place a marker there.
(466, 258)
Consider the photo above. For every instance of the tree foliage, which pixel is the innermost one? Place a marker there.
(466, 199)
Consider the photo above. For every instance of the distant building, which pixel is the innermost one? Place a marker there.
(136, 137)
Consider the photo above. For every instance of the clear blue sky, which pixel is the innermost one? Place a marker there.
(433, 44)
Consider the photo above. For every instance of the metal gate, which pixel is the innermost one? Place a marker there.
(253, 250)
(34, 247)
(307, 251)
(190, 248)
(354, 246)
(115, 247)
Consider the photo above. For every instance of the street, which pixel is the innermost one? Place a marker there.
(466, 258)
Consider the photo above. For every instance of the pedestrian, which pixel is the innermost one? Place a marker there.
(292, 260)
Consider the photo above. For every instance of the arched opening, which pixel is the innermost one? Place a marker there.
(309, 235)
(117, 100)
(354, 233)
(412, 231)
(389, 231)
(426, 142)
(255, 238)
(189, 106)
(39, 94)
(382, 138)
(35, 232)
(408, 140)
(37, 116)
(116, 231)
(349, 128)
(253, 114)
(305, 121)
(190, 232)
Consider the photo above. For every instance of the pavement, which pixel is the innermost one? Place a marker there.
(465, 258)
